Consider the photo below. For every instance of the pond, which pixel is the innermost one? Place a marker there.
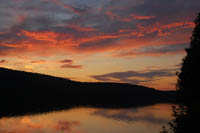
(147, 119)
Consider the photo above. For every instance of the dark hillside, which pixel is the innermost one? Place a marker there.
(25, 92)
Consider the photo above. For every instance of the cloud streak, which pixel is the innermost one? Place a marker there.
(153, 50)
(135, 77)
(67, 63)
(38, 61)
(131, 116)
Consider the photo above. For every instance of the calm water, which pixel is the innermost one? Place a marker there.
(147, 119)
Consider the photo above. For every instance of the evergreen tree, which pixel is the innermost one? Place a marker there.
(186, 115)
(188, 78)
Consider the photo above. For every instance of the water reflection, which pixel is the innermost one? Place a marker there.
(145, 114)
(91, 120)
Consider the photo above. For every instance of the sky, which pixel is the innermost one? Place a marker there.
(129, 41)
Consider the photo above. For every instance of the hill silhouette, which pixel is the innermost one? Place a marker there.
(26, 92)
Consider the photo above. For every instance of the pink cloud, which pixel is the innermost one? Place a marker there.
(138, 17)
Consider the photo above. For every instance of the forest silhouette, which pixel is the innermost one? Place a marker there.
(25, 92)
(186, 115)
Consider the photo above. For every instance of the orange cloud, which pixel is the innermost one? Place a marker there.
(157, 27)
(38, 61)
(46, 35)
(47, 43)
(141, 17)
(61, 41)
(130, 18)
(26, 124)
(64, 39)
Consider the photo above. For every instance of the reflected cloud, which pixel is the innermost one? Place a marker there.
(66, 125)
(131, 116)
(89, 120)
(28, 124)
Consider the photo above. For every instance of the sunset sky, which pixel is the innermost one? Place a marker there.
(131, 41)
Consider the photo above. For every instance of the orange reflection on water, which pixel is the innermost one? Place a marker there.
(92, 120)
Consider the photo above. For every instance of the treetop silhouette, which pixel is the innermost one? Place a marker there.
(188, 78)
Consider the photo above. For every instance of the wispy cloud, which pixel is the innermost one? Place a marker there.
(71, 66)
(38, 61)
(133, 115)
(67, 63)
(135, 77)
(153, 50)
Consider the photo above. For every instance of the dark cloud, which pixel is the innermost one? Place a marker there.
(38, 61)
(2, 48)
(71, 66)
(3, 61)
(134, 77)
(12, 37)
(5, 49)
(163, 48)
(104, 43)
(68, 63)
(154, 50)
(162, 10)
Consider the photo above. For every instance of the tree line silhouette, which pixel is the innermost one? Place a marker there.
(186, 115)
